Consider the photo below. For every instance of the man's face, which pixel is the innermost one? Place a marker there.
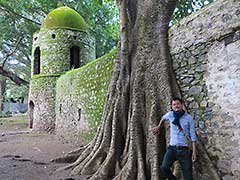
(177, 105)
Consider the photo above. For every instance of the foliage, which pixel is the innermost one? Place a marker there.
(186, 7)
(102, 17)
(15, 92)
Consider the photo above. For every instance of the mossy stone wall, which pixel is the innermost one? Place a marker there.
(80, 98)
(55, 45)
(42, 94)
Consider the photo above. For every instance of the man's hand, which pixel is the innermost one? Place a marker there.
(194, 157)
(156, 130)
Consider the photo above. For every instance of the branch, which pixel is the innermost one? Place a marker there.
(39, 11)
(10, 10)
(11, 53)
(26, 61)
(19, 81)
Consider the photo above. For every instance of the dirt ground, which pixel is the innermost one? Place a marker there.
(25, 155)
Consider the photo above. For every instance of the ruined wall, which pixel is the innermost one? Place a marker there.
(80, 99)
(42, 103)
(205, 48)
(54, 47)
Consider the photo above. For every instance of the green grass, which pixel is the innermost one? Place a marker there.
(21, 119)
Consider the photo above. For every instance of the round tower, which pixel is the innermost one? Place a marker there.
(63, 43)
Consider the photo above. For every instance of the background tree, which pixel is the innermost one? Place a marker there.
(140, 91)
(2, 91)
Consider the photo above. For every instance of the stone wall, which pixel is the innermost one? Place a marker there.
(80, 99)
(205, 48)
(55, 47)
(42, 103)
(54, 60)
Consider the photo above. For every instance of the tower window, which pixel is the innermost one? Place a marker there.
(36, 63)
(74, 57)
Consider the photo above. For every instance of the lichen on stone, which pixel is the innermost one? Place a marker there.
(64, 17)
(84, 88)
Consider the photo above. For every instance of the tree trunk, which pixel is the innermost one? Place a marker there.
(19, 81)
(2, 91)
(139, 94)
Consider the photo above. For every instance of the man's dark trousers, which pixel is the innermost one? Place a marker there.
(184, 155)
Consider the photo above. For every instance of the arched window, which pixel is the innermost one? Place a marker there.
(74, 57)
(36, 65)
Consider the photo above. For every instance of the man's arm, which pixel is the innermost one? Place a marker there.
(194, 156)
(193, 137)
(160, 123)
(156, 130)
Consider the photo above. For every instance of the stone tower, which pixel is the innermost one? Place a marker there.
(63, 43)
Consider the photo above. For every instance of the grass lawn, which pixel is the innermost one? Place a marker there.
(15, 120)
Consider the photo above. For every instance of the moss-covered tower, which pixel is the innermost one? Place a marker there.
(63, 43)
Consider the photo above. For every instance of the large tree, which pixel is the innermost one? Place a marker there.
(139, 94)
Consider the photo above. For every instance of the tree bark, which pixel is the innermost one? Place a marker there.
(2, 91)
(139, 94)
(19, 81)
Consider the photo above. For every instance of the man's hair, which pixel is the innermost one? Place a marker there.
(177, 99)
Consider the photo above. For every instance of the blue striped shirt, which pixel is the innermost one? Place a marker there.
(176, 136)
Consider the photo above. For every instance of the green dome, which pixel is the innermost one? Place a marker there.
(64, 17)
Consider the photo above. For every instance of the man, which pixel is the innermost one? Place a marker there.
(181, 130)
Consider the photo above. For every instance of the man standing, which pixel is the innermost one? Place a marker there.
(183, 138)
